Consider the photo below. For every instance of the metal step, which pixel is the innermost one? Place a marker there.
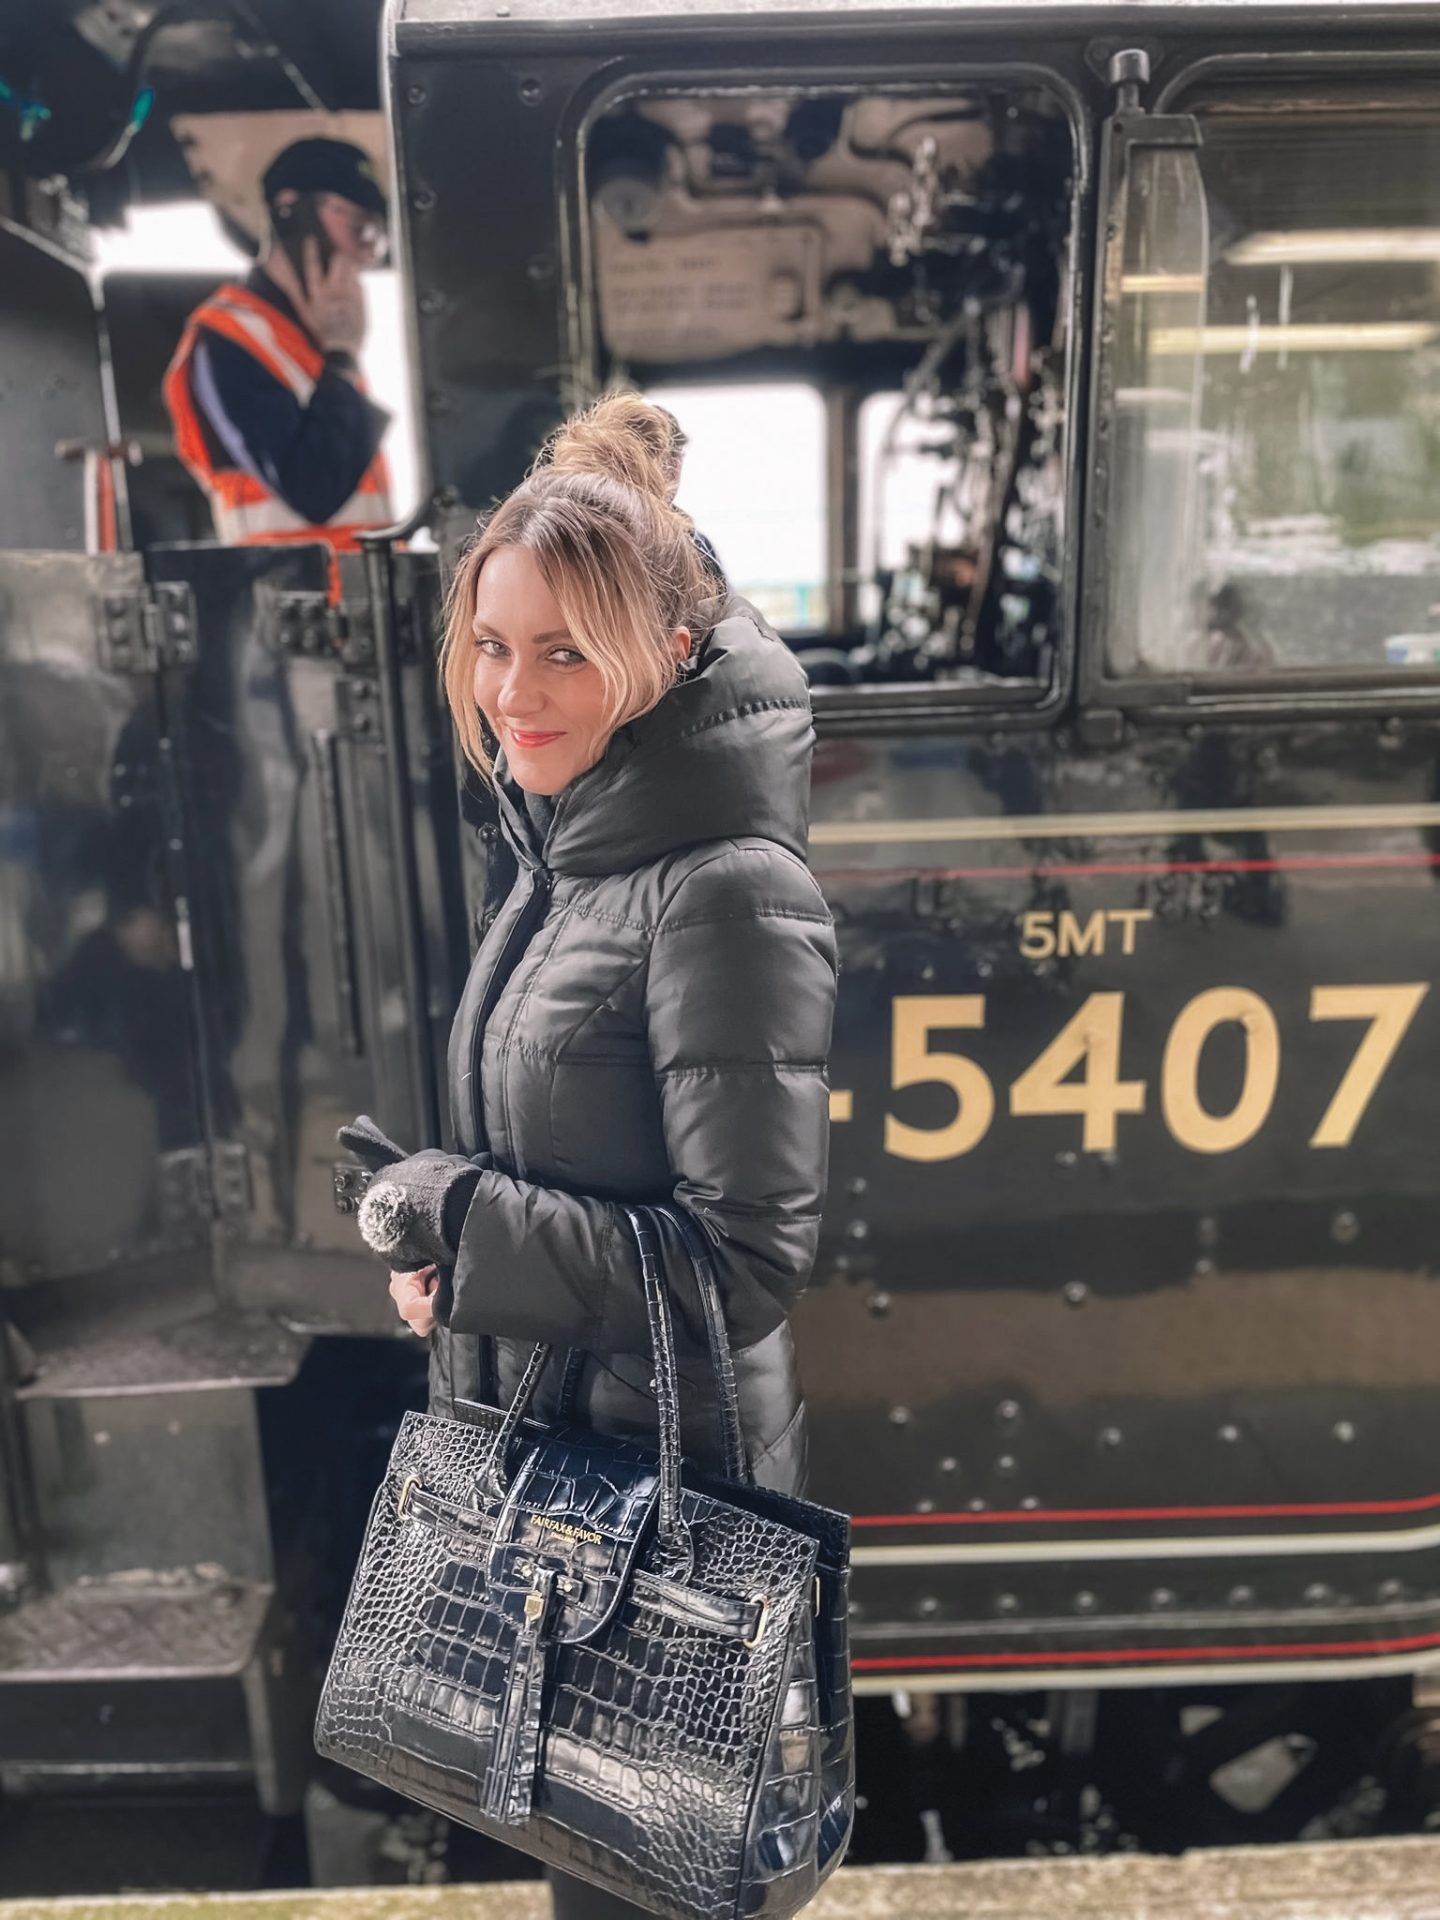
(147, 1626)
(150, 1678)
(219, 1351)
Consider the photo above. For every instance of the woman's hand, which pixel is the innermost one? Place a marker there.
(412, 1293)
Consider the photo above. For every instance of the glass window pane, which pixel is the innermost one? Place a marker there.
(1275, 477)
(754, 484)
(903, 256)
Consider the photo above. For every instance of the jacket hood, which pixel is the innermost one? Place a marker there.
(726, 754)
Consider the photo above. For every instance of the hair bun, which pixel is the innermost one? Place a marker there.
(625, 438)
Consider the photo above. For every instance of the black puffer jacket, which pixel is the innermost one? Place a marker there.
(648, 1019)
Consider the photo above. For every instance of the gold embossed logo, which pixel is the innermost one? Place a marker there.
(567, 1530)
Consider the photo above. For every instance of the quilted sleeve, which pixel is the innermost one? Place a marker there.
(739, 1003)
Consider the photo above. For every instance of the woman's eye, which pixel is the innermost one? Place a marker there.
(567, 657)
(487, 645)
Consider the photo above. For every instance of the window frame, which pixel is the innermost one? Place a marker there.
(895, 708)
(1312, 692)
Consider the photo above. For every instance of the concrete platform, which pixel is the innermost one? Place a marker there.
(1361, 1880)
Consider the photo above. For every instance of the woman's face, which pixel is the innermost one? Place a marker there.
(542, 699)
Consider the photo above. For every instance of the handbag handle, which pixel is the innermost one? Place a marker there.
(736, 1464)
(727, 1399)
(676, 1551)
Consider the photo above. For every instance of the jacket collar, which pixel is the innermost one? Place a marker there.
(725, 754)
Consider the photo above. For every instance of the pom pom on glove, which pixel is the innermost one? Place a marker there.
(415, 1206)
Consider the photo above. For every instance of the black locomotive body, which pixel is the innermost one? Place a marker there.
(1124, 1344)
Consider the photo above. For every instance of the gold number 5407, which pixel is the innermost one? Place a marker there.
(1079, 1071)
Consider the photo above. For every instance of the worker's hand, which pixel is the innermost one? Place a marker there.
(412, 1294)
(334, 300)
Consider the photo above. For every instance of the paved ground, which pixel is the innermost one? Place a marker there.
(1382, 1880)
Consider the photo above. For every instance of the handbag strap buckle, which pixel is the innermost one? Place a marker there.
(758, 1635)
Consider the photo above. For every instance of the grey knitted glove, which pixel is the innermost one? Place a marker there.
(414, 1209)
(372, 1148)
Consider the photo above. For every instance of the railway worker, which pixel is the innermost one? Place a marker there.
(665, 956)
(265, 392)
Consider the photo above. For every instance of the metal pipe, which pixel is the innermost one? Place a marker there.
(20, 1547)
(842, 512)
(399, 807)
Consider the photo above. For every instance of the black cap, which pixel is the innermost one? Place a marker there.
(325, 166)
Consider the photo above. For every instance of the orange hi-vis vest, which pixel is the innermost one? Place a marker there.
(246, 512)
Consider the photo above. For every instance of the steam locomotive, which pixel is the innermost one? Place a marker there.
(1118, 330)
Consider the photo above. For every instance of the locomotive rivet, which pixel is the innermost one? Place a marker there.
(925, 1506)
(1229, 1434)
(949, 1463)
(1344, 1431)
(1076, 1293)
(540, 266)
(431, 301)
(1162, 1597)
(929, 1606)
(977, 1506)
(1110, 1436)
(1242, 1596)
(1006, 1603)
(1317, 1594)
(423, 200)
(1391, 1589)
(1084, 1603)
(416, 96)
(1207, 1230)
(1203, 1268)
(984, 969)
(1067, 1158)
(856, 1186)
(879, 1304)
(1029, 1504)
(1005, 1464)
(531, 91)
(858, 1230)
(927, 972)
(899, 1416)
(1007, 1411)
(1345, 1228)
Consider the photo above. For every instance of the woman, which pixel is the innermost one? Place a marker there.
(648, 1018)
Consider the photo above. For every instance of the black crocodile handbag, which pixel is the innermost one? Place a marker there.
(638, 1677)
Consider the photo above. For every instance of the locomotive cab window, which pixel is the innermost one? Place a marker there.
(900, 260)
(1274, 497)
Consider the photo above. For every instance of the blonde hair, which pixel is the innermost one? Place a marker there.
(620, 560)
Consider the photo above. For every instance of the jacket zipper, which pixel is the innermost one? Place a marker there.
(506, 961)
